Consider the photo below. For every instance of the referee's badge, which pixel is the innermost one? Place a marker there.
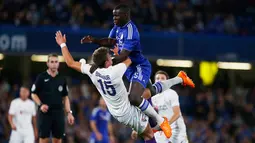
(33, 88)
(60, 88)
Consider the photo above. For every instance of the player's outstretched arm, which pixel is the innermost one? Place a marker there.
(61, 41)
(106, 42)
(127, 62)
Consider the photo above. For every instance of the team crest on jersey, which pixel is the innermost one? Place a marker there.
(33, 88)
(60, 88)
(162, 107)
(120, 39)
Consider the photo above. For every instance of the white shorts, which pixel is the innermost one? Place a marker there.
(136, 120)
(22, 137)
(175, 138)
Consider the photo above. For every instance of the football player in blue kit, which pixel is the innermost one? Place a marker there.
(125, 36)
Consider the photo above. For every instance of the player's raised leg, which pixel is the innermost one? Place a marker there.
(137, 89)
(161, 86)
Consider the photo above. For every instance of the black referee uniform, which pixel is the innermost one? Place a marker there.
(50, 91)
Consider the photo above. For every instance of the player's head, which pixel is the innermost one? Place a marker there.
(161, 76)
(53, 62)
(101, 57)
(102, 103)
(121, 15)
(24, 92)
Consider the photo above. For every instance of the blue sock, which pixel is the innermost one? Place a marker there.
(158, 87)
(151, 141)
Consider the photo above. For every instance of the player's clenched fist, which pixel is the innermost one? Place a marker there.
(44, 108)
(115, 50)
(99, 136)
(60, 39)
(70, 119)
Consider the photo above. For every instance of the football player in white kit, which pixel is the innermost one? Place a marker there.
(167, 104)
(22, 118)
(108, 81)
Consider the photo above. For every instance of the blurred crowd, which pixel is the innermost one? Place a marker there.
(201, 16)
(212, 115)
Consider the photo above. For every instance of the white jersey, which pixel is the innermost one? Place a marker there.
(22, 112)
(164, 102)
(109, 83)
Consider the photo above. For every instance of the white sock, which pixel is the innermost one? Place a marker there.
(146, 108)
(164, 85)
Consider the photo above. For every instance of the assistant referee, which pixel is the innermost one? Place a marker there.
(50, 92)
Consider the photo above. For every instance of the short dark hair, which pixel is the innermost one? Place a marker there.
(162, 72)
(52, 55)
(99, 57)
(25, 86)
(123, 7)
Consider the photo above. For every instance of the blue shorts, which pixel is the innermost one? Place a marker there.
(139, 73)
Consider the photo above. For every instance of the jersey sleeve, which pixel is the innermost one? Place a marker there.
(65, 89)
(36, 86)
(174, 98)
(131, 38)
(12, 108)
(85, 69)
(118, 70)
(94, 114)
(34, 109)
(113, 32)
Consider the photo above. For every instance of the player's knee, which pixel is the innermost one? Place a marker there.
(57, 140)
(146, 94)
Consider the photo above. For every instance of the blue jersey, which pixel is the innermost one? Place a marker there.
(102, 119)
(128, 38)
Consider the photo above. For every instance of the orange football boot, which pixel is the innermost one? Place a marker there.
(186, 80)
(165, 127)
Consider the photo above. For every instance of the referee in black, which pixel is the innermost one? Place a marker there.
(50, 93)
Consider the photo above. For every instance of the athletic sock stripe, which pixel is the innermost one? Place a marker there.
(145, 105)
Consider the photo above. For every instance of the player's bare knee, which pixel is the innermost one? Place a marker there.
(57, 140)
(146, 94)
(44, 140)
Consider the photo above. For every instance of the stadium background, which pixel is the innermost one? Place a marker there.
(204, 33)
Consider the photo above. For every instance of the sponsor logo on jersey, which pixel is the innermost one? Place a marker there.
(60, 88)
(105, 77)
